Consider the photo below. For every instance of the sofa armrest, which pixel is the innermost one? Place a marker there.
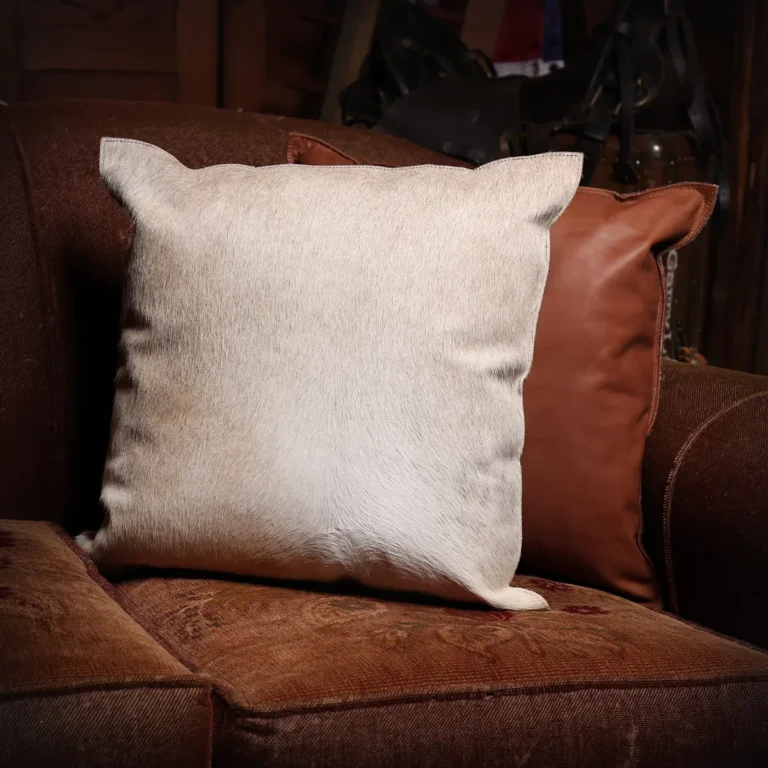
(705, 497)
(81, 683)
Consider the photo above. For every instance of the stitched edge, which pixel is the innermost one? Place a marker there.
(699, 187)
(670, 490)
(500, 693)
(702, 217)
(708, 202)
(184, 683)
(656, 599)
(447, 168)
(295, 151)
(661, 314)
(222, 692)
(119, 140)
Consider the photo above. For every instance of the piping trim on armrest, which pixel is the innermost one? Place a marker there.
(672, 482)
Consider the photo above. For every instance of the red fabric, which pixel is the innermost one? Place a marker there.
(521, 33)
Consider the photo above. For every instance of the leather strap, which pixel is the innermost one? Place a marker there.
(605, 102)
(595, 133)
(623, 171)
(698, 104)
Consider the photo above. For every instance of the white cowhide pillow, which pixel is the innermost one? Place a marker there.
(322, 369)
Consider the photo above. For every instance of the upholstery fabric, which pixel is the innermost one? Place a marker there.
(308, 389)
(310, 676)
(27, 420)
(64, 246)
(592, 392)
(706, 478)
(153, 726)
(81, 684)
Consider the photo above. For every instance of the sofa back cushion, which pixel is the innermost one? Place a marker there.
(65, 241)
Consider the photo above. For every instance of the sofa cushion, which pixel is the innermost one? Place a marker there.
(80, 682)
(316, 677)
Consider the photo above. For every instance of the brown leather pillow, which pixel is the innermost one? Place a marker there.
(592, 393)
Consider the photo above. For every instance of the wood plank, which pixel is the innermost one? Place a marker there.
(99, 85)
(98, 48)
(293, 37)
(352, 45)
(296, 77)
(749, 261)
(279, 99)
(730, 343)
(244, 54)
(154, 14)
(197, 32)
(9, 52)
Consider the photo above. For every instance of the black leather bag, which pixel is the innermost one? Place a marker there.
(421, 83)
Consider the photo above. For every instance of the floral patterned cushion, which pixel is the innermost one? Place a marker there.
(347, 674)
(81, 683)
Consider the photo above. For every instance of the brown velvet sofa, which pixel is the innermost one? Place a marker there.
(192, 669)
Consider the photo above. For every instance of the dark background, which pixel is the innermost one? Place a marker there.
(279, 56)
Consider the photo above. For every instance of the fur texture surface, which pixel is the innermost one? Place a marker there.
(322, 367)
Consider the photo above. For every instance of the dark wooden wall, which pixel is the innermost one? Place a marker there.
(738, 330)
(275, 56)
(732, 40)
(257, 55)
(157, 50)
(265, 55)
